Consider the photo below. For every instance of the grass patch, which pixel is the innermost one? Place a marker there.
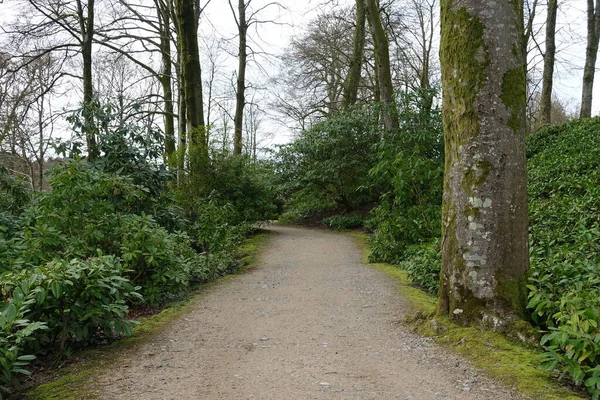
(75, 381)
(248, 252)
(508, 362)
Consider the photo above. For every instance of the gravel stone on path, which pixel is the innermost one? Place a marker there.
(310, 322)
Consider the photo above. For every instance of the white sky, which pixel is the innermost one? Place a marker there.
(293, 15)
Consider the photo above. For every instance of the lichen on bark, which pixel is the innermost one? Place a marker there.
(484, 243)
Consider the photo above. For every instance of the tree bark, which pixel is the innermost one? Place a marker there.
(187, 29)
(484, 247)
(240, 99)
(353, 78)
(591, 53)
(165, 78)
(86, 27)
(545, 117)
(382, 57)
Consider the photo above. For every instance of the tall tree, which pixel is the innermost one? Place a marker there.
(353, 78)
(187, 29)
(384, 71)
(549, 58)
(242, 25)
(85, 17)
(412, 29)
(591, 53)
(64, 28)
(484, 247)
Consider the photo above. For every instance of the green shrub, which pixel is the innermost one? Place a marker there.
(330, 162)
(344, 221)
(78, 300)
(79, 215)
(305, 203)
(158, 261)
(16, 330)
(423, 264)
(564, 213)
(410, 172)
(246, 185)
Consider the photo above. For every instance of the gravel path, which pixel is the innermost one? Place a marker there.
(310, 322)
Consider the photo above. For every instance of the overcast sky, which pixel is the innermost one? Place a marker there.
(291, 17)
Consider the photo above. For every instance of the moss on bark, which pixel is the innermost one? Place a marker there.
(514, 97)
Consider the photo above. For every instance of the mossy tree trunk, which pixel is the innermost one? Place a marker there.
(591, 53)
(545, 117)
(85, 16)
(484, 248)
(191, 80)
(353, 79)
(382, 61)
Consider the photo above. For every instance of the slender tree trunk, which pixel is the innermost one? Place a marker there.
(484, 247)
(187, 28)
(41, 144)
(240, 99)
(549, 56)
(182, 123)
(382, 57)
(166, 81)
(591, 53)
(353, 79)
(86, 26)
(427, 30)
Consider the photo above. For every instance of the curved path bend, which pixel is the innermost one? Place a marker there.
(310, 322)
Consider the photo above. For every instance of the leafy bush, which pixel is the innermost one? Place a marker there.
(15, 331)
(14, 194)
(306, 202)
(564, 205)
(330, 162)
(423, 264)
(78, 300)
(344, 221)
(246, 185)
(79, 215)
(159, 261)
(410, 172)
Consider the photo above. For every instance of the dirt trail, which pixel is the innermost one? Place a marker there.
(310, 322)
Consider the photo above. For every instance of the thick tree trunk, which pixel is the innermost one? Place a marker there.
(187, 28)
(353, 78)
(382, 57)
(484, 247)
(549, 56)
(591, 53)
(86, 27)
(240, 99)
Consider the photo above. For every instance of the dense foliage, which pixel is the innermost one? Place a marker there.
(410, 169)
(111, 234)
(564, 212)
(327, 166)
(404, 175)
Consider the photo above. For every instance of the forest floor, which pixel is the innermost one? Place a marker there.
(310, 321)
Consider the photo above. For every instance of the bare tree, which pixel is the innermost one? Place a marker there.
(187, 28)
(549, 60)
(383, 66)
(591, 53)
(245, 18)
(352, 82)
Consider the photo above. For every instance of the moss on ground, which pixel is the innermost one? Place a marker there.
(76, 381)
(508, 362)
